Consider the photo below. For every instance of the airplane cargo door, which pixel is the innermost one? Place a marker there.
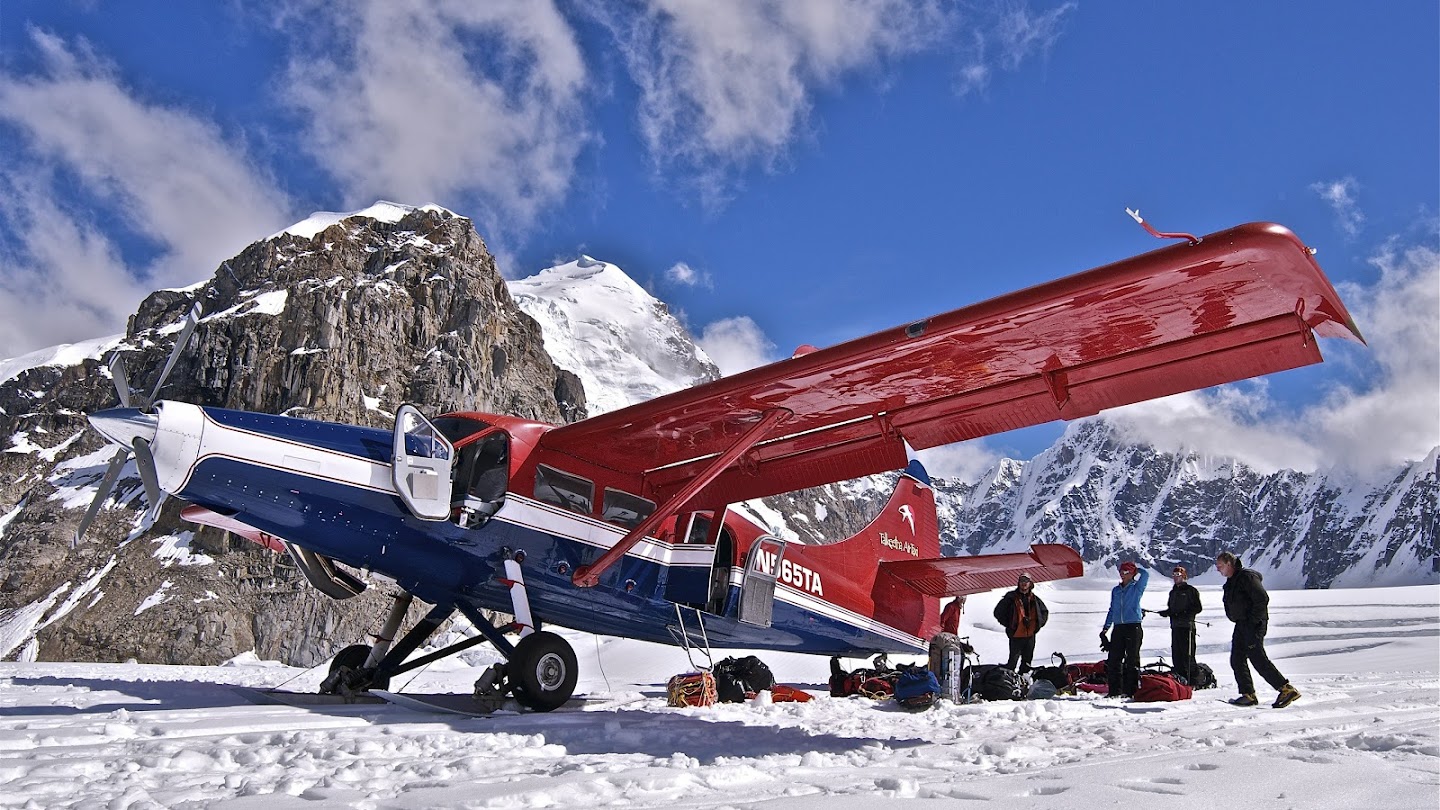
(757, 591)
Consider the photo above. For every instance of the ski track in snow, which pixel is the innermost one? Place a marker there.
(1365, 733)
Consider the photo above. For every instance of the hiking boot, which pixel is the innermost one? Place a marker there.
(1288, 694)
(1248, 699)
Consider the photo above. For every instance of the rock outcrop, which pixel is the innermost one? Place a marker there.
(344, 324)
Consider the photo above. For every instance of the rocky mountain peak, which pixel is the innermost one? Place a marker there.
(344, 318)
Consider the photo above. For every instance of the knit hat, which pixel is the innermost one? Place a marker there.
(1127, 566)
(1024, 578)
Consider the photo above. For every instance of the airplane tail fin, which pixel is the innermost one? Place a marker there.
(892, 569)
(905, 529)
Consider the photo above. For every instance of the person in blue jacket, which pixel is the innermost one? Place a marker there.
(1122, 669)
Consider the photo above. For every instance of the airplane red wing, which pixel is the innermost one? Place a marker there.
(1240, 303)
(959, 576)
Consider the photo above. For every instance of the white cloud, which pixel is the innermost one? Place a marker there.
(1392, 416)
(729, 86)
(1398, 415)
(1233, 421)
(966, 461)
(1005, 35)
(96, 162)
(1340, 194)
(687, 276)
(736, 344)
(442, 100)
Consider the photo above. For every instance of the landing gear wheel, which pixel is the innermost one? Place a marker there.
(352, 657)
(347, 673)
(542, 672)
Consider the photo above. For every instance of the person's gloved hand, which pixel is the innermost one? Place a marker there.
(1104, 642)
(1165, 613)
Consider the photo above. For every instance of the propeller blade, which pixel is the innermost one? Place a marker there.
(112, 474)
(145, 463)
(153, 513)
(121, 379)
(191, 320)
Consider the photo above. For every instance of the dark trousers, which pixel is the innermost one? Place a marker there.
(1122, 668)
(1021, 650)
(1248, 648)
(1182, 644)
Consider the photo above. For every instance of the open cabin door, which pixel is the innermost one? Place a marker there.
(420, 465)
(689, 582)
(757, 589)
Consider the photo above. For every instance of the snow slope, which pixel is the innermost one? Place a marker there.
(1365, 734)
(622, 342)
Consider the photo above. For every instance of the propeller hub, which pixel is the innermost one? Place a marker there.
(124, 425)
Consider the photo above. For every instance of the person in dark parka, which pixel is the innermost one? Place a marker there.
(1181, 609)
(1248, 606)
(1022, 614)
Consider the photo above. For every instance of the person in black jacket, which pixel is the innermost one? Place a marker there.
(1248, 606)
(1181, 609)
(1022, 614)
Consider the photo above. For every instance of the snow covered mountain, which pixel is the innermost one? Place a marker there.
(621, 342)
(1111, 498)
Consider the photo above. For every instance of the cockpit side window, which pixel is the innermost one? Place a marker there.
(564, 490)
(458, 428)
(625, 509)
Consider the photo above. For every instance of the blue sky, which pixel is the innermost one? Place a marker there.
(778, 172)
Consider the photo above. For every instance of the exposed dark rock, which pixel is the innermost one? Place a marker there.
(346, 326)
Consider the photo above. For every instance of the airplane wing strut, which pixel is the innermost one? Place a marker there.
(587, 576)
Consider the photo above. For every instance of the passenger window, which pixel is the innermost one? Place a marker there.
(564, 490)
(625, 509)
(699, 529)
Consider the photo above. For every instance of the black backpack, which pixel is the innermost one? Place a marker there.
(1054, 674)
(994, 682)
(737, 678)
(1204, 676)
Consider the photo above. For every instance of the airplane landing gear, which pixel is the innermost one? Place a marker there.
(349, 675)
(542, 672)
(539, 671)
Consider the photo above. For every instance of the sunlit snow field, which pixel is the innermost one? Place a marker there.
(1363, 735)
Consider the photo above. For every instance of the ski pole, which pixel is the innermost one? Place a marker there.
(1156, 612)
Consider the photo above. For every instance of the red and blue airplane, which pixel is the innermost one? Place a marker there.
(621, 524)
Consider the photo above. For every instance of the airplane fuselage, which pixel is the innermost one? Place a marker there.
(327, 488)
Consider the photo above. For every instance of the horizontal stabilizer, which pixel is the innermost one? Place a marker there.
(958, 576)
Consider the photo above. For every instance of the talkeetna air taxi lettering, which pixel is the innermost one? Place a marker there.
(621, 524)
(896, 543)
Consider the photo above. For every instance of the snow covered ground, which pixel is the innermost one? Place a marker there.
(1365, 734)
